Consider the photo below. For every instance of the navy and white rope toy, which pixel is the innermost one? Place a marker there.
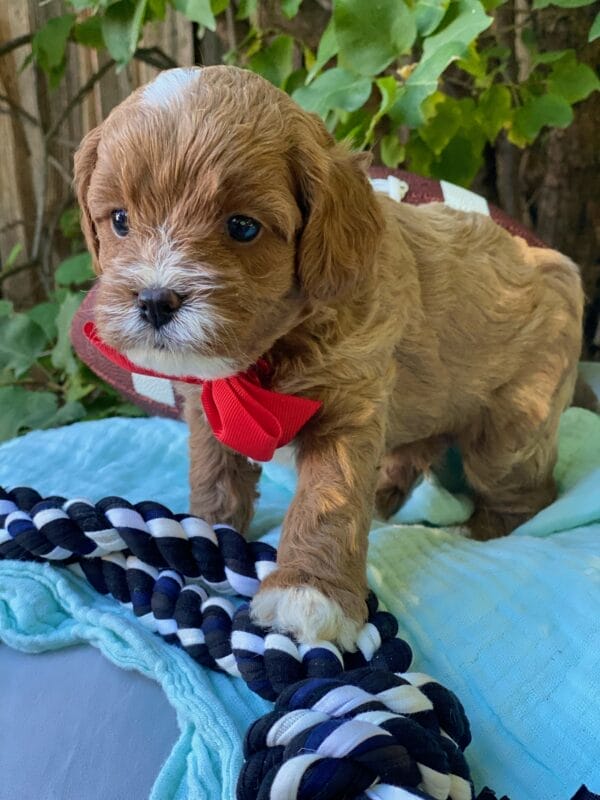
(164, 565)
(351, 726)
(366, 734)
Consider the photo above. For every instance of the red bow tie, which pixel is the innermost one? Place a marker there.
(242, 414)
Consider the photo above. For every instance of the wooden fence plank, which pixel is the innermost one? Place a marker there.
(35, 174)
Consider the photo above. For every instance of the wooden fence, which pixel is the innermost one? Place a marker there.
(552, 186)
(40, 129)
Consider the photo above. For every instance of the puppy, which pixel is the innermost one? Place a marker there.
(259, 237)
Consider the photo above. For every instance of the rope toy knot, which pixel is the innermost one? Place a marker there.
(368, 730)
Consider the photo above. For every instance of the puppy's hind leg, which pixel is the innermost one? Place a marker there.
(401, 467)
(509, 457)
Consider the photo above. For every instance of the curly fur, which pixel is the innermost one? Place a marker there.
(415, 326)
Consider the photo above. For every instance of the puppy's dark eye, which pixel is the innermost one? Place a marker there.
(243, 229)
(120, 223)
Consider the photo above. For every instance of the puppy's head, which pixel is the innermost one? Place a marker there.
(217, 212)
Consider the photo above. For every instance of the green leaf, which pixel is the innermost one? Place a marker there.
(199, 11)
(442, 124)
(105, 406)
(451, 42)
(295, 80)
(63, 357)
(562, 3)
(22, 342)
(290, 7)
(419, 155)
(475, 63)
(595, 29)
(157, 8)
(50, 42)
(572, 80)
(537, 112)
(69, 223)
(15, 252)
(276, 61)
(335, 88)
(77, 386)
(353, 127)
(70, 412)
(388, 89)
(247, 8)
(429, 14)
(60, 293)
(371, 35)
(49, 47)
(494, 110)
(75, 270)
(328, 48)
(549, 57)
(459, 162)
(218, 6)
(89, 32)
(44, 315)
(20, 410)
(6, 308)
(392, 150)
(122, 27)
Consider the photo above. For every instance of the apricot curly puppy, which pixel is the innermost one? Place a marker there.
(227, 225)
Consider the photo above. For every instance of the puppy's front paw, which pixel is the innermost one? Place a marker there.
(307, 614)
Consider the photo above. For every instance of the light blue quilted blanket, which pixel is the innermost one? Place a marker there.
(512, 626)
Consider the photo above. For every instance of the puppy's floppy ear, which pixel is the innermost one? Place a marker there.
(343, 223)
(85, 163)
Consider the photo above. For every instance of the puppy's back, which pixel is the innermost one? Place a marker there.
(494, 304)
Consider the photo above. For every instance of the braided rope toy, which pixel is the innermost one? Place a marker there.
(345, 726)
(161, 565)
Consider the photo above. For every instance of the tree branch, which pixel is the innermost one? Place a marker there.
(46, 254)
(162, 61)
(230, 26)
(21, 268)
(8, 47)
(77, 99)
(40, 208)
(15, 107)
(68, 179)
(155, 57)
(16, 223)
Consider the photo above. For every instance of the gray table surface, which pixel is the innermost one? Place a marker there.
(75, 727)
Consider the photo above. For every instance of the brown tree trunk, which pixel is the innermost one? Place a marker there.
(557, 180)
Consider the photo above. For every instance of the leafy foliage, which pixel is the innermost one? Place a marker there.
(378, 72)
(49, 46)
(425, 84)
(42, 382)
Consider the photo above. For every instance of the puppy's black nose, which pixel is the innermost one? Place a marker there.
(157, 306)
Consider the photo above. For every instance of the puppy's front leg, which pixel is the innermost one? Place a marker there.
(319, 588)
(222, 483)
